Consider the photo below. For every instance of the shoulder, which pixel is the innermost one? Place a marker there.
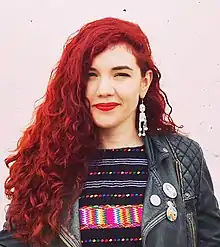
(191, 160)
(185, 147)
(190, 156)
(182, 147)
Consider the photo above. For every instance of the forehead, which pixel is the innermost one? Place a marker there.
(119, 55)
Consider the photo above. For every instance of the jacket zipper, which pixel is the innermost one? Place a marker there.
(192, 230)
(177, 167)
(160, 217)
(179, 175)
(68, 240)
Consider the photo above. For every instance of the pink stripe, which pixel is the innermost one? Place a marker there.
(107, 216)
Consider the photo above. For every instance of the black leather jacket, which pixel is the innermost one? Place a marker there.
(177, 160)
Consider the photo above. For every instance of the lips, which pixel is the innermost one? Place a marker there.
(106, 106)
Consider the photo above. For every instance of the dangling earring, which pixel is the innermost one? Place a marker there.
(142, 119)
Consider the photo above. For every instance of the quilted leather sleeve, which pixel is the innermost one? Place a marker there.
(207, 210)
(197, 185)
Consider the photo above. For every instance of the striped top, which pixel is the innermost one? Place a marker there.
(111, 202)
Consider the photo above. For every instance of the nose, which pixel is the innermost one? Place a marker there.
(105, 87)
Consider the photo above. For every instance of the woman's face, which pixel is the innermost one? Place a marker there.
(114, 87)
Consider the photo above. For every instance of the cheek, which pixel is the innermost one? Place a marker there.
(89, 92)
(130, 93)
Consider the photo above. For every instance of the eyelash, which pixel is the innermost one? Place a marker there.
(118, 74)
(123, 74)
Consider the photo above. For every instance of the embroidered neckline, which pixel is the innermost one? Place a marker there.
(125, 149)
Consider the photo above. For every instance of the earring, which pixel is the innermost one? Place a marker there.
(142, 119)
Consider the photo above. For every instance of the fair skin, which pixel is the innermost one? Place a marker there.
(124, 86)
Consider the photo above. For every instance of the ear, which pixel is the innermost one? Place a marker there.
(145, 83)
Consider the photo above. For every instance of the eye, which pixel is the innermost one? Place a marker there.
(122, 74)
(91, 74)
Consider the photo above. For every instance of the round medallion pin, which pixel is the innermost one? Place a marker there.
(155, 200)
(169, 190)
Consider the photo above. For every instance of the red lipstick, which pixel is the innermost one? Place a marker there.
(106, 106)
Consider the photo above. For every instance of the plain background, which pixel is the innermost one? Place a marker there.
(184, 37)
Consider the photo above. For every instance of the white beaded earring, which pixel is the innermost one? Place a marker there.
(142, 119)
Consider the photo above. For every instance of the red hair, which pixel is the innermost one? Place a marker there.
(48, 166)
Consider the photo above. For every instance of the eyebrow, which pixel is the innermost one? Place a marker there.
(116, 68)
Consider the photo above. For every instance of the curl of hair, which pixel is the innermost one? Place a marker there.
(48, 167)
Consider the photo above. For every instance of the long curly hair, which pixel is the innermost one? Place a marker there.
(48, 167)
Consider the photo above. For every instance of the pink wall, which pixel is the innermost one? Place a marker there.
(185, 42)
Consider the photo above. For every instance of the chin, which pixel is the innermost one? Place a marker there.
(106, 124)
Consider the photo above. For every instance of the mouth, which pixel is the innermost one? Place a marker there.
(106, 106)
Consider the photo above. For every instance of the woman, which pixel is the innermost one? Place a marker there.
(102, 164)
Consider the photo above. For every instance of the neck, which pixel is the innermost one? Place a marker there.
(119, 137)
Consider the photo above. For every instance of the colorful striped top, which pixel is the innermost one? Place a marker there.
(111, 202)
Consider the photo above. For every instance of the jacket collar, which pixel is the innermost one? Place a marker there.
(156, 148)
